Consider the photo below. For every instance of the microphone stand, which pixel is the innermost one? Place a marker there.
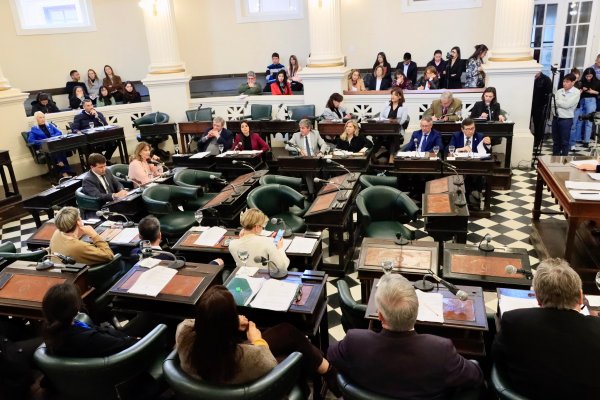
(105, 214)
(351, 177)
(286, 232)
(223, 181)
(245, 164)
(278, 273)
(341, 195)
(458, 200)
(147, 251)
(417, 152)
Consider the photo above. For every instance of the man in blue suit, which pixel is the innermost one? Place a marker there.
(469, 141)
(425, 138)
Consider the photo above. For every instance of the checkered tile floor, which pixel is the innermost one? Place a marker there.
(509, 225)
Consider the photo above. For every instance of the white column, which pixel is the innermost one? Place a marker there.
(325, 72)
(511, 69)
(4, 84)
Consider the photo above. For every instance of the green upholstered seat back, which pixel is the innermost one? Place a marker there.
(203, 114)
(374, 180)
(294, 183)
(384, 203)
(152, 118)
(261, 111)
(353, 313)
(273, 199)
(86, 202)
(193, 177)
(301, 112)
(157, 199)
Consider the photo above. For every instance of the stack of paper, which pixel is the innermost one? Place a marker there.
(202, 154)
(580, 185)
(301, 245)
(411, 154)
(149, 262)
(151, 282)
(126, 236)
(509, 303)
(211, 236)
(431, 307)
(577, 163)
(594, 175)
(275, 295)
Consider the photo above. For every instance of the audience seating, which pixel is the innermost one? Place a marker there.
(260, 111)
(201, 114)
(163, 202)
(380, 209)
(123, 170)
(367, 181)
(275, 201)
(101, 378)
(502, 387)
(292, 182)
(301, 112)
(197, 179)
(353, 313)
(278, 383)
(88, 205)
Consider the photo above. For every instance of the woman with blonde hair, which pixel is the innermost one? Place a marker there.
(355, 82)
(293, 70)
(350, 140)
(143, 167)
(93, 84)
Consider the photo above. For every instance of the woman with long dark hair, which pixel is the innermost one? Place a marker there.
(130, 95)
(439, 63)
(247, 140)
(475, 76)
(488, 108)
(456, 66)
(382, 61)
(334, 110)
(590, 87)
(281, 86)
(113, 82)
(105, 98)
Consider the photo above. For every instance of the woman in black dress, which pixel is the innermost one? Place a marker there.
(456, 66)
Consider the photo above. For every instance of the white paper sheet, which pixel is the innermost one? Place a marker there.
(199, 228)
(585, 195)
(580, 185)
(149, 262)
(594, 175)
(509, 303)
(286, 244)
(246, 271)
(151, 282)
(301, 245)
(469, 155)
(431, 307)
(421, 154)
(576, 163)
(593, 300)
(202, 154)
(211, 236)
(275, 295)
(125, 236)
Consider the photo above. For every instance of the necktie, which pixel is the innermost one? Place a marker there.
(307, 145)
(468, 142)
(423, 142)
(444, 111)
(107, 185)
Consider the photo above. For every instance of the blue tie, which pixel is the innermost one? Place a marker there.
(423, 142)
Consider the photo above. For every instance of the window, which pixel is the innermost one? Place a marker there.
(268, 10)
(434, 5)
(34, 17)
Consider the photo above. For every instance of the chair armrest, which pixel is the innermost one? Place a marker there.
(363, 212)
(408, 206)
(501, 386)
(353, 392)
(296, 198)
(346, 297)
(8, 247)
(103, 276)
(185, 193)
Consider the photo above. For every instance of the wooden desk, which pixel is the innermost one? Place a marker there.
(330, 128)
(101, 135)
(412, 260)
(187, 130)
(476, 167)
(23, 294)
(41, 237)
(59, 144)
(466, 264)
(63, 194)
(187, 160)
(225, 164)
(553, 171)
(186, 247)
(417, 165)
(132, 205)
(465, 329)
(177, 300)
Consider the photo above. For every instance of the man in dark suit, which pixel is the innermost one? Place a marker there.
(551, 352)
(425, 138)
(215, 136)
(409, 67)
(398, 362)
(99, 182)
(89, 115)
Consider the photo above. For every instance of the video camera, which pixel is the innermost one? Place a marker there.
(591, 117)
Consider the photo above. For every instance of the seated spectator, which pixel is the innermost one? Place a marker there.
(130, 95)
(99, 182)
(395, 109)
(334, 110)
(43, 104)
(398, 362)
(429, 81)
(379, 82)
(408, 67)
(65, 240)
(215, 137)
(281, 86)
(88, 118)
(210, 347)
(455, 69)
(77, 99)
(426, 137)
(249, 140)
(382, 61)
(488, 108)
(70, 86)
(105, 98)
(93, 84)
(307, 142)
(293, 74)
(143, 166)
(535, 345)
(355, 82)
(475, 76)
(350, 140)
(401, 81)
(250, 87)
(44, 130)
(440, 65)
(113, 83)
(272, 71)
(447, 108)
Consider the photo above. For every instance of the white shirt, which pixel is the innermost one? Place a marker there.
(405, 67)
(378, 84)
(481, 149)
(566, 102)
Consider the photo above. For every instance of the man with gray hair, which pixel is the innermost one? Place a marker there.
(445, 109)
(250, 87)
(214, 137)
(307, 142)
(398, 362)
(551, 352)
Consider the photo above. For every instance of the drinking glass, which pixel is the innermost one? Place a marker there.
(598, 280)
(291, 114)
(459, 115)
(436, 150)
(243, 256)
(198, 215)
(451, 150)
(387, 266)
(91, 125)
(221, 148)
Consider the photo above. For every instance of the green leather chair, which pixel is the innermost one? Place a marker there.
(275, 201)
(152, 118)
(380, 209)
(353, 313)
(87, 203)
(260, 111)
(163, 202)
(8, 247)
(98, 378)
(157, 139)
(39, 158)
(502, 387)
(102, 277)
(8, 252)
(123, 170)
(294, 183)
(301, 112)
(201, 114)
(193, 178)
(277, 384)
(367, 181)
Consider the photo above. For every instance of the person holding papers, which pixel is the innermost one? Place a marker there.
(398, 362)
(65, 240)
(144, 167)
(99, 182)
(551, 352)
(249, 140)
(210, 347)
(253, 222)
(488, 108)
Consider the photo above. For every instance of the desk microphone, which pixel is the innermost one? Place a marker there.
(425, 286)
(105, 213)
(277, 221)
(245, 164)
(337, 164)
(63, 179)
(223, 181)
(486, 247)
(341, 195)
(277, 273)
(511, 269)
(292, 144)
(417, 152)
(147, 251)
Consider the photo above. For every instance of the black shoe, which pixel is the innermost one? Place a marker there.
(330, 380)
(585, 145)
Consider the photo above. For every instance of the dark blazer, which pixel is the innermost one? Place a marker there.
(83, 119)
(256, 142)
(355, 144)
(47, 109)
(94, 341)
(433, 139)
(411, 72)
(480, 107)
(92, 187)
(549, 354)
(76, 103)
(225, 138)
(403, 365)
(458, 141)
(70, 86)
(434, 84)
(386, 83)
(455, 73)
